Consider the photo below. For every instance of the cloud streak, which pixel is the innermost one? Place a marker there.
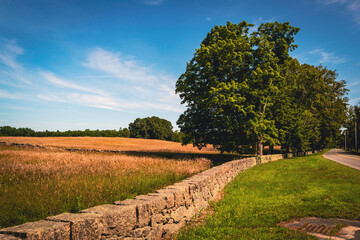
(50, 77)
(7, 95)
(9, 51)
(353, 84)
(117, 83)
(115, 65)
(353, 6)
(154, 2)
(89, 100)
(104, 102)
(10, 69)
(354, 101)
(111, 81)
(328, 57)
(140, 80)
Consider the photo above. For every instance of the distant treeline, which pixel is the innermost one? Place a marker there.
(149, 128)
(28, 132)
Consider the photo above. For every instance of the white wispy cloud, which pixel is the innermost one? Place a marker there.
(9, 50)
(115, 83)
(332, 1)
(16, 75)
(7, 95)
(90, 100)
(354, 101)
(11, 71)
(103, 102)
(154, 2)
(140, 80)
(50, 77)
(98, 76)
(118, 83)
(328, 57)
(353, 6)
(353, 84)
(115, 65)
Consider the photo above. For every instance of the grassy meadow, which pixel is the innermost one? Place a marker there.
(110, 143)
(36, 183)
(263, 196)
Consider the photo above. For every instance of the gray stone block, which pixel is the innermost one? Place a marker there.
(119, 219)
(179, 213)
(182, 195)
(168, 196)
(178, 195)
(83, 225)
(143, 210)
(157, 202)
(39, 230)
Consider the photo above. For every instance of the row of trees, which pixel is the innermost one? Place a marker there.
(242, 90)
(28, 132)
(149, 128)
(350, 136)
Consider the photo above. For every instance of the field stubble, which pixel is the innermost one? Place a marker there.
(37, 183)
(110, 143)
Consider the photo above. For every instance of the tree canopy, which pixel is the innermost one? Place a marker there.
(352, 132)
(151, 128)
(243, 89)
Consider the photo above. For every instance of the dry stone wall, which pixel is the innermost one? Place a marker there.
(152, 216)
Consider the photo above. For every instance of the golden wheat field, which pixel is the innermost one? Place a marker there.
(36, 183)
(109, 143)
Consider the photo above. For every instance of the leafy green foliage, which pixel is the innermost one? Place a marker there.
(77, 204)
(353, 116)
(263, 196)
(311, 108)
(231, 82)
(151, 128)
(243, 89)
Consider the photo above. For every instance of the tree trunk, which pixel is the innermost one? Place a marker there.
(259, 148)
(253, 147)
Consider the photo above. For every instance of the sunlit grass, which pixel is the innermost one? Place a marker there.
(37, 183)
(261, 197)
(109, 143)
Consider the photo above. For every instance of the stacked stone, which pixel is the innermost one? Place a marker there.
(152, 216)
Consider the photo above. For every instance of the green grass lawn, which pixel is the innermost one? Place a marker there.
(261, 197)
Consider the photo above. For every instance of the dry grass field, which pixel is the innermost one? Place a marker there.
(109, 143)
(36, 183)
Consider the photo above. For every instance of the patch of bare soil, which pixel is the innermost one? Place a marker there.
(329, 228)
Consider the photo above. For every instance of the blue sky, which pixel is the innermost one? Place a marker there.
(102, 64)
